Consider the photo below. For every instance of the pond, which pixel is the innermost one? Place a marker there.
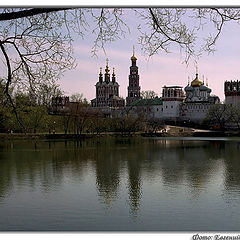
(120, 184)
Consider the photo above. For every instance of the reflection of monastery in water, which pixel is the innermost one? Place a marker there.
(176, 104)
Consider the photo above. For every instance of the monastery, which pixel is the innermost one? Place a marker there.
(189, 104)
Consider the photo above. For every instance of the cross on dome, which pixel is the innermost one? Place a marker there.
(133, 56)
(107, 69)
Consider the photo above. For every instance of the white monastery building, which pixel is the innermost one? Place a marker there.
(178, 104)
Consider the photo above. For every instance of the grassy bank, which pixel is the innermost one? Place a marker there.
(8, 136)
(171, 131)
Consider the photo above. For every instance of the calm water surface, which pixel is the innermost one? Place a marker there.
(119, 184)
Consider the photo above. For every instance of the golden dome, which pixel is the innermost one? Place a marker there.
(133, 58)
(196, 82)
(107, 69)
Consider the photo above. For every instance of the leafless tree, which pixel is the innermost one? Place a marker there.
(193, 30)
(36, 43)
(234, 112)
(33, 48)
(154, 125)
(148, 94)
(97, 123)
(65, 121)
(218, 115)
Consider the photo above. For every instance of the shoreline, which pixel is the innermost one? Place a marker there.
(56, 136)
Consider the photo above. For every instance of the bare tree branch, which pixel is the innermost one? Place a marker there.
(28, 13)
(9, 79)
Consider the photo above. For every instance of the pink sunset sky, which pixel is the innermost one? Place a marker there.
(157, 71)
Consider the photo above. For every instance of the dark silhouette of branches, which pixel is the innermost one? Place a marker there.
(36, 44)
(27, 13)
(9, 79)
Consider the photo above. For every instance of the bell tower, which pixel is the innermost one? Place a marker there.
(133, 86)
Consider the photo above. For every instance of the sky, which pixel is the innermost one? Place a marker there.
(157, 71)
(164, 69)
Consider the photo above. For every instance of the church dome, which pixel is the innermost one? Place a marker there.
(133, 58)
(188, 88)
(203, 88)
(196, 82)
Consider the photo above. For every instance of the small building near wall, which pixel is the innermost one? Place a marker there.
(59, 105)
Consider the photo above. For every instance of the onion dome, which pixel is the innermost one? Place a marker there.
(113, 76)
(133, 56)
(203, 88)
(188, 88)
(196, 82)
(100, 76)
(209, 90)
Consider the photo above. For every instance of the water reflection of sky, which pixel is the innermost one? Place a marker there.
(120, 184)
